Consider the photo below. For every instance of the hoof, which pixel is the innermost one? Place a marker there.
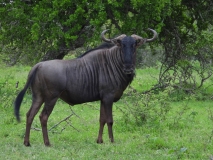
(27, 144)
(99, 141)
(47, 144)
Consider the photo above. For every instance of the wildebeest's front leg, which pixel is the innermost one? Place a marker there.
(102, 122)
(105, 117)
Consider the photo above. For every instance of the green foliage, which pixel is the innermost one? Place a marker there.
(187, 51)
(70, 24)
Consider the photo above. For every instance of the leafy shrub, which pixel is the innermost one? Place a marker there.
(8, 91)
(141, 108)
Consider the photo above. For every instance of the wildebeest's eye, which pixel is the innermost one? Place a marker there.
(133, 46)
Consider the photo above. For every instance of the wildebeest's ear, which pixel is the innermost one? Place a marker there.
(117, 42)
(139, 42)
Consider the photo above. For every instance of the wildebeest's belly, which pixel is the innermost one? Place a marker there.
(73, 98)
(78, 97)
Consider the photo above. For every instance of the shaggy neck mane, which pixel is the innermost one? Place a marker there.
(102, 46)
(114, 62)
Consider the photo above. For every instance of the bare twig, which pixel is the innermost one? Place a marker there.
(156, 87)
(65, 119)
(73, 112)
(72, 126)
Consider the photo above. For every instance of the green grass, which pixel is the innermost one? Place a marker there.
(185, 132)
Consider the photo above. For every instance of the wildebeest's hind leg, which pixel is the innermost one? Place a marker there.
(36, 104)
(47, 110)
(106, 117)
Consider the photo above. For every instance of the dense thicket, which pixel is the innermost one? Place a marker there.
(49, 29)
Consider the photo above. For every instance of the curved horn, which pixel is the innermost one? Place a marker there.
(104, 38)
(154, 37)
(114, 40)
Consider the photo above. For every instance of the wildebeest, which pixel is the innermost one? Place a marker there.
(101, 74)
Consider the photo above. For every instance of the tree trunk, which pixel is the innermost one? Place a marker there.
(63, 49)
(56, 53)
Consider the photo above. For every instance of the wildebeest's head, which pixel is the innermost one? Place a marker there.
(128, 46)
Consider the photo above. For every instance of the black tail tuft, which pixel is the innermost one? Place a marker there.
(17, 104)
(20, 96)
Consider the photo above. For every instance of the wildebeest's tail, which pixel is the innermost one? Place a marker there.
(20, 96)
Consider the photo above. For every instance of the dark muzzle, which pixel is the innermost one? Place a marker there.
(128, 69)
